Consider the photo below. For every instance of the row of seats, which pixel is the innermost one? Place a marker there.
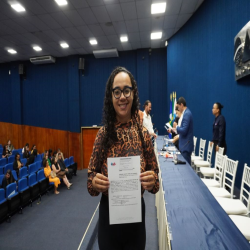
(29, 189)
(221, 185)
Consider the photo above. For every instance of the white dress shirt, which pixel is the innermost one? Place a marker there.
(147, 122)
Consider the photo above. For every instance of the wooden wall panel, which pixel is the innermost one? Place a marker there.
(43, 138)
(88, 139)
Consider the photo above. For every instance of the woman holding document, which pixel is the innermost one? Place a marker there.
(121, 136)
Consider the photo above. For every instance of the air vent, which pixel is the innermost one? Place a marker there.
(105, 53)
(42, 60)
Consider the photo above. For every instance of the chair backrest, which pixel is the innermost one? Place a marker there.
(20, 151)
(66, 161)
(2, 195)
(1, 179)
(195, 140)
(14, 174)
(210, 152)
(38, 165)
(1, 146)
(1, 150)
(24, 161)
(219, 168)
(10, 189)
(23, 172)
(32, 179)
(22, 184)
(40, 175)
(38, 158)
(11, 159)
(202, 148)
(3, 162)
(1, 170)
(245, 187)
(71, 160)
(32, 168)
(14, 152)
(221, 150)
(8, 166)
(229, 175)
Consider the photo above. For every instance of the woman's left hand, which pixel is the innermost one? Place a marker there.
(147, 180)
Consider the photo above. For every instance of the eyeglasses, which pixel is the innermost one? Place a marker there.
(117, 92)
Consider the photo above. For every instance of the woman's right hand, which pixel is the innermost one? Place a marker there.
(100, 183)
(211, 143)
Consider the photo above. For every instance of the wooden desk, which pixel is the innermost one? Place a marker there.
(88, 135)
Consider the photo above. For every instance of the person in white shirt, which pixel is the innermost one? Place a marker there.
(147, 122)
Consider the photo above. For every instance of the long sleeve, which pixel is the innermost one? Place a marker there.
(93, 162)
(151, 162)
(222, 131)
(184, 128)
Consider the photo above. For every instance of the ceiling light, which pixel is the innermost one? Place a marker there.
(93, 42)
(37, 48)
(156, 35)
(124, 39)
(12, 51)
(64, 45)
(61, 2)
(157, 8)
(166, 43)
(17, 7)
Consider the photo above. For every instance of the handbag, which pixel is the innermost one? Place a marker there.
(52, 174)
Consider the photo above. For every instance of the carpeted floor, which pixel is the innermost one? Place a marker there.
(60, 221)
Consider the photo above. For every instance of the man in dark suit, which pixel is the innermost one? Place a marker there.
(185, 130)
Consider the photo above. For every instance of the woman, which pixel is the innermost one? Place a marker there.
(46, 156)
(219, 128)
(59, 173)
(33, 148)
(17, 164)
(121, 135)
(10, 146)
(49, 175)
(26, 153)
(6, 153)
(7, 179)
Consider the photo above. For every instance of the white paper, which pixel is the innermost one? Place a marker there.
(124, 190)
(169, 125)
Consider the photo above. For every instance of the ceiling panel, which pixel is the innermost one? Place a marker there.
(157, 23)
(96, 30)
(115, 12)
(74, 32)
(51, 6)
(79, 3)
(62, 19)
(145, 36)
(120, 27)
(173, 7)
(87, 15)
(14, 26)
(81, 51)
(74, 17)
(85, 31)
(114, 39)
(63, 34)
(108, 30)
(188, 6)
(132, 25)
(101, 14)
(127, 46)
(25, 23)
(143, 8)
(103, 41)
(53, 35)
(34, 7)
(182, 19)
(129, 10)
(47, 19)
(37, 22)
(144, 24)
(134, 37)
(95, 2)
(170, 21)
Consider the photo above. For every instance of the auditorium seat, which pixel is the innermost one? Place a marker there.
(34, 187)
(13, 198)
(24, 161)
(38, 165)
(3, 162)
(32, 168)
(66, 161)
(11, 159)
(14, 175)
(38, 158)
(3, 205)
(1, 170)
(7, 167)
(23, 172)
(42, 181)
(24, 192)
(1, 179)
(14, 152)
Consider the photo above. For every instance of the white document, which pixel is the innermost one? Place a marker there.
(168, 125)
(124, 190)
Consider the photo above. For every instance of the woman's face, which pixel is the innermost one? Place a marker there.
(9, 142)
(123, 104)
(47, 163)
(215, 109)
(18, 157)
(7, 175)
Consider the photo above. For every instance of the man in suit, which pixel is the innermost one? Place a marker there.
(185, 130)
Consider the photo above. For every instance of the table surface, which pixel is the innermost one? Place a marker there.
(196, 219)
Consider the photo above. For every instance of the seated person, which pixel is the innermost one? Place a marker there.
(69, 171)
(55, 154)
(17, 164)
(50, 154)
(33, 147)
(48, 174)
(6, 153)
(10, 146)
(46, 156)
(7, 179)
(32, 157)
(59, 173)
(59, 151)
(26, 145)
(26, 153)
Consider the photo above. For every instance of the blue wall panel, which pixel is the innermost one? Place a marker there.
(200, 67)
(5, 93)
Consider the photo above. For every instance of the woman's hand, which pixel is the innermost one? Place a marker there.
(176, 138)
(100, 183)
(211, 143)
(147, 180)
(217, 148)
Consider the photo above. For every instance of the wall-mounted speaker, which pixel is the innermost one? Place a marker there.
(81, 65)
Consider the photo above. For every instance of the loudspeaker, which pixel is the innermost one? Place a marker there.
(81, 63)
(22, 71)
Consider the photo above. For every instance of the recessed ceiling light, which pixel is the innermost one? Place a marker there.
(156, 35)
(157, 8)
(93, 42)
(17, 7)
(37, 48)
(12, 51)
(64, 45)
(166, 43)
(61, 2)
(124, 39)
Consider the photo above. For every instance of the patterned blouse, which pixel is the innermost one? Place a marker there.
(129, 144)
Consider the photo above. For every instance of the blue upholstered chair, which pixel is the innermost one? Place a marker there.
(34, 187)
(32, 168)
(11, 159)
(3, 205)
(13, 198)
(3, 161)
(23, 172)
(24, 191)
(42, 181)
(7, 167)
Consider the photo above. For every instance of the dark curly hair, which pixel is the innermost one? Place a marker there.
(109, 116)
